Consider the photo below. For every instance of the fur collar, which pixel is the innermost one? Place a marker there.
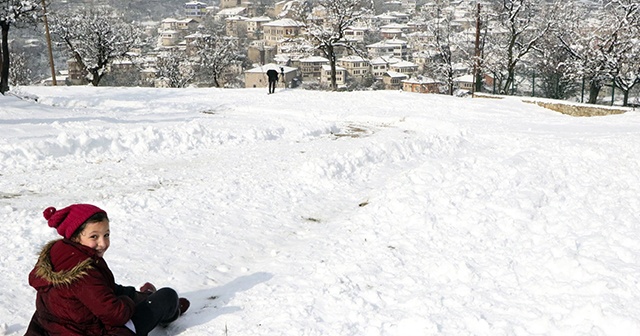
(45, 269)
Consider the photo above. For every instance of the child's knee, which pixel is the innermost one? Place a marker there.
(167, 293)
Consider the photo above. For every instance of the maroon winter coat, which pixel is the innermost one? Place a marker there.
(77, 294)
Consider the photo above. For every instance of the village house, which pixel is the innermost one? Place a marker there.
(356, 66)
(380, 65)
(168, 24)
(421, 85)
(254, 26)
(405, 67)
(393, 80)
(186, 24)
(464, 82)
(394, 30)
(355, 34)
(311, 68)
(278, 30)
(229, 12)
(172, 31)
(394, 47)
(341, 76)
(257, 77)
(385, 19)
(236, 26)
(169, 38)
(195, 9)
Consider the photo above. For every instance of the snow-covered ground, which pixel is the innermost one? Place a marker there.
(320, 213)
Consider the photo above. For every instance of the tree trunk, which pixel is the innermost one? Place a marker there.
(332, 62)
(95, 77)
(594, 90)
(4, 69)
(215, 80)
(625, 99)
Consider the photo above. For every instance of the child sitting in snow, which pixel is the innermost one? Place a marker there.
(76, 291)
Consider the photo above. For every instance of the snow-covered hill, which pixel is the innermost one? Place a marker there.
(320, 213)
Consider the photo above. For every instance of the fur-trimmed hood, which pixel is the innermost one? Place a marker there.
(77, 294)
(61, 263)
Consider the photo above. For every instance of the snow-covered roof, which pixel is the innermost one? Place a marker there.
(264, 68)
(465, 78)
(352, 58)
(387, 43)
(385, 60)
(231, 11)
(404, 64)
(394, 26)
(421, 80)
(395, 74)
(358, 28)
(237, 18)
(188, 20)
(259, 19)
(326, 67)
(285, 23)
(197, 35)
(311, 59)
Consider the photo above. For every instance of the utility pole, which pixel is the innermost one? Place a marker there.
(477, 83)
(46, 30)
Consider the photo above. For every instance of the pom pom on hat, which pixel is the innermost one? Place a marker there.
(67, 220)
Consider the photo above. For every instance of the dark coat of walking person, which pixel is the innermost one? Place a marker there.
(273, 79)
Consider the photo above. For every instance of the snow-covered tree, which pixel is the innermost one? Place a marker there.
(516, 28)
(628, 70)
(175, 68)
(447, 46)
(215, 54)
(95, 38)
(13, 13)
(550, 60)
(326, 31)
(599, 44)
(628, 75)
(20, 71)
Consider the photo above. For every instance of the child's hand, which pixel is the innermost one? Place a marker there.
(148, 288)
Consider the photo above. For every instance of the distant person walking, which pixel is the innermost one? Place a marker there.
(273, 79)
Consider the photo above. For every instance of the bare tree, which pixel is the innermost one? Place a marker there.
(327, 30)
(519, 26)
(95, 38)
(599, 44)
(20, 72)
(551, 62)
(628, 70)
(447, 46)
(175, 68)
(215, 53)
(13, 13)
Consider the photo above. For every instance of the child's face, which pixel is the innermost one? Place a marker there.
(96, 236)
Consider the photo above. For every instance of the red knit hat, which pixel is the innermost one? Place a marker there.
(69, 219)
